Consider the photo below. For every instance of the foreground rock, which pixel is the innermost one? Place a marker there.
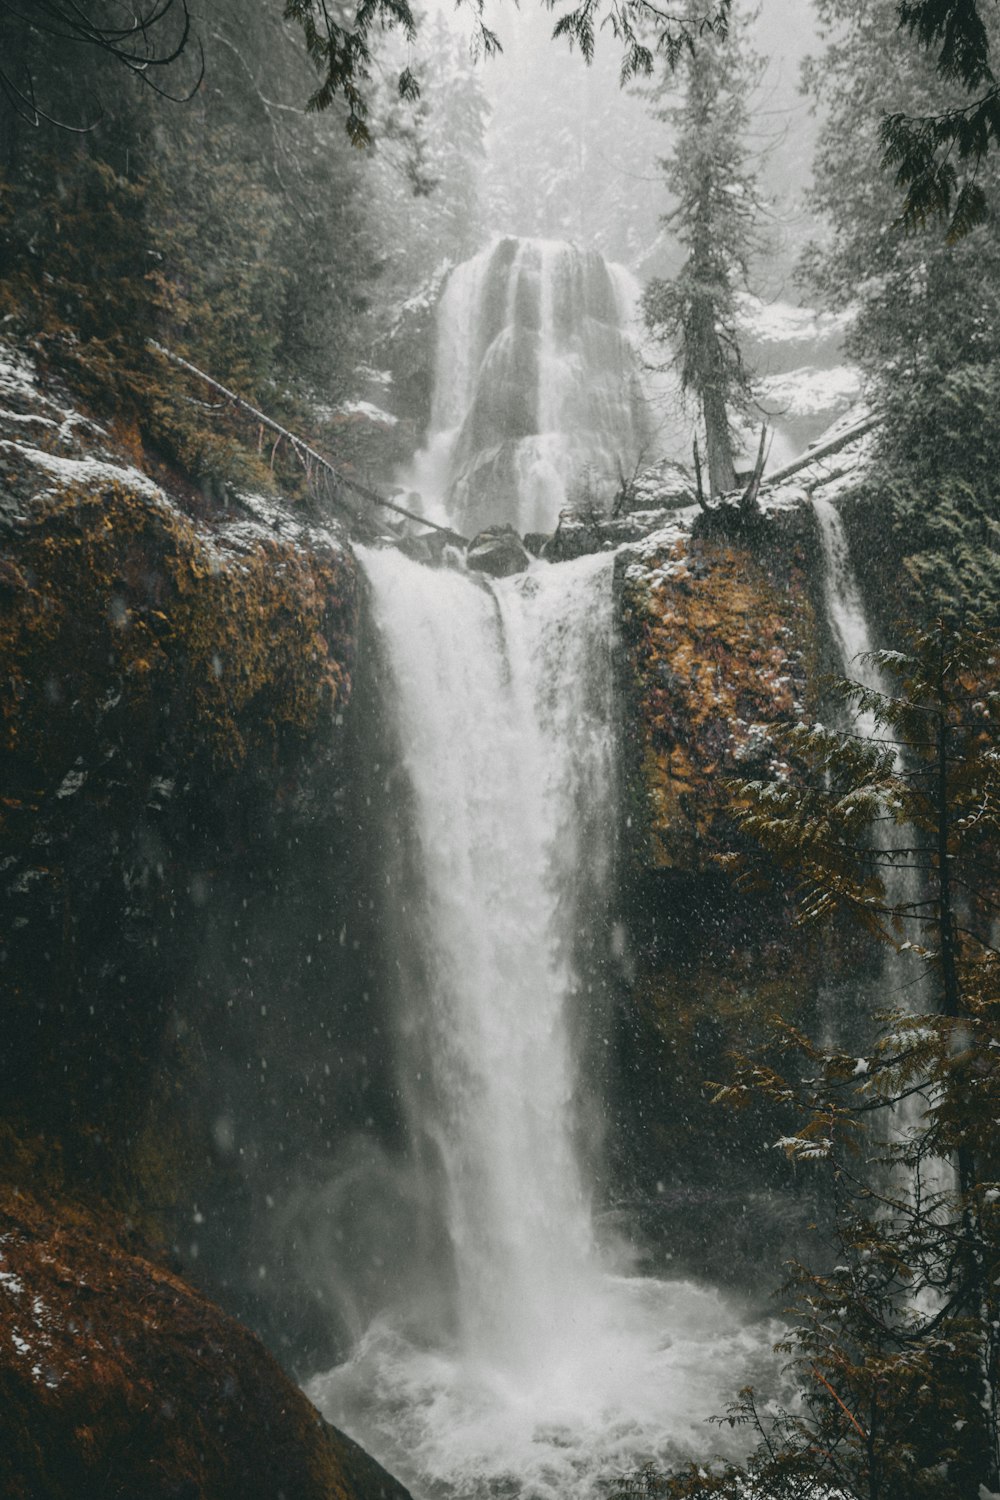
(116, 1378)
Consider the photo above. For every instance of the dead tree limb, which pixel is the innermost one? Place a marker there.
(749, 497)
(699, 490)
(300, 447)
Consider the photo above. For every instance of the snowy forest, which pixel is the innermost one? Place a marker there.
(500, 781)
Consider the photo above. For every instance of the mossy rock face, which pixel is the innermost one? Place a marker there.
(116, 608)
(117, 1378)
(721, 645)
(175, 842)
(718, 648)
(154, 677)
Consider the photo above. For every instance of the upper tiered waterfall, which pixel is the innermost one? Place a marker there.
(510, 1350)
(537, 401)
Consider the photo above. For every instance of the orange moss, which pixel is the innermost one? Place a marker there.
(116, 1378)
(115, 592)
(716, 659)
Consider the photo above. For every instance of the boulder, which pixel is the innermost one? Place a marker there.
(117, 1378)
(498, 551)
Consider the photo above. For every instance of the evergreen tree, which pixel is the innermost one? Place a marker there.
(427, 163)
(711, 179)
(926, 329)
(895, 1339)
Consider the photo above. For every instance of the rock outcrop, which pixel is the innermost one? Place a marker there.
(498, 551)
(722, 643)
(117, 1378)
(175, 743)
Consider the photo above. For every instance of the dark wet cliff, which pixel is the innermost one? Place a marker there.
(723, 642)
(175, 857)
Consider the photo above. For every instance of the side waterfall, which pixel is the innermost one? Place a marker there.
(536, 397)
(902, 979)
(536, 1367)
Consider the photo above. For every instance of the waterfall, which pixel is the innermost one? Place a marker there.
(534, 1362)
(536, 398)
(848, 622)
(902, 980)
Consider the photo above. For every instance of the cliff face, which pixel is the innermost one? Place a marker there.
(722, 640)
(192, 1017)
(721, 646)
(176, 863)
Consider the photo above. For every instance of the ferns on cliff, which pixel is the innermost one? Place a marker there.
(894, 1331)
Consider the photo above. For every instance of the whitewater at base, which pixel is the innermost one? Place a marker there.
(527, 1364)
(632, 1378)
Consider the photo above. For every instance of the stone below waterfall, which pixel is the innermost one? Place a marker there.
(498, 551)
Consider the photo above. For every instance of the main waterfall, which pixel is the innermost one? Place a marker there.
(527, 1357)
(536, 397)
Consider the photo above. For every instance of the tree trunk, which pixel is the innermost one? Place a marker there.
(719, 448)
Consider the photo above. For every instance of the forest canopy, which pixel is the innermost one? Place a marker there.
(936, 156)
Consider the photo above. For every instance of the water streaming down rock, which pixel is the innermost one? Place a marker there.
(845, 609)
(539, 1366)
(537, 399)
(902, 979)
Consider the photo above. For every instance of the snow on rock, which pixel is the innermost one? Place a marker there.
(90, 473)
(368, 410)
(785, 323)
(48, 449)
(17, 375)
(809, 391)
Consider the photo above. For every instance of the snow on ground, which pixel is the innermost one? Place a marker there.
(89, 472)
(43, 419)
(266, 516)
(784, 323)
(809, 391)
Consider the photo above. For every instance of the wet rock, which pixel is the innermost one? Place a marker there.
(498, 551)
(117, 1378)
(666, 485)
(722, 643)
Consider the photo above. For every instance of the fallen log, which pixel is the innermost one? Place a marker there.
(824, 450)
(300, 446)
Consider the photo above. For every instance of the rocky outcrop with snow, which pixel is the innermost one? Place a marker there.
(174, 743)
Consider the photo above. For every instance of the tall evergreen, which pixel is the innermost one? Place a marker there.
(926, 324)
(714, 217)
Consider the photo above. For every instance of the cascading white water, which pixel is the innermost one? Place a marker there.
(903, 978)
(537, 396)
(845, 612)
(549, 1372)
